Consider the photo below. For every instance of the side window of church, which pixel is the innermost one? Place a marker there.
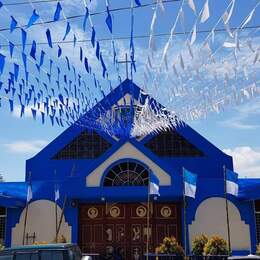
(88, 145)
(257, 219)
(172, 144)
(2, 225)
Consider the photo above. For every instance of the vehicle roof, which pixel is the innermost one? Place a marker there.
(42, 246)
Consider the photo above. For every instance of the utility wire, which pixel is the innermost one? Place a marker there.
(143, 36)
(82, 15)
(28, 3)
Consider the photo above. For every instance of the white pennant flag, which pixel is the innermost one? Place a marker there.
(194, 35)
(190, 50)
(205, 14)
(230, 12)
(213, 36)
(182, 62)
(256, 57)
(192, 6)
(248, 19)
(229, 45)
(153, 21)
(160, 2)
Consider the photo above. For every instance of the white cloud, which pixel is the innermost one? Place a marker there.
(25, 146)
(246, 160)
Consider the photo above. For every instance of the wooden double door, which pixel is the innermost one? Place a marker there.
(121, 229)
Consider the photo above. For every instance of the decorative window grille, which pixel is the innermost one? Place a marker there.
(88, 145)
(127, 173)
(172, 144)
(2, 225)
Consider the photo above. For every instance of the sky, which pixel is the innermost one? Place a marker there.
(233, 128)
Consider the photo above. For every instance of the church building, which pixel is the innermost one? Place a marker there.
(103, 180)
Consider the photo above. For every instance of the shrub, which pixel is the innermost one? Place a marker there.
(258, 249)
(216, 246)
(198, 244)
(170, 246)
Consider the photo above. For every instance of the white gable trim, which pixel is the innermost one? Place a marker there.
(127, 151)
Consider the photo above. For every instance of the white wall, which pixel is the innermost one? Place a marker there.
(127, 151)
(210, 219)
(41, 220)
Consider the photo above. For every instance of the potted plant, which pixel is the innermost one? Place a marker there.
(170, 246)
(198, 245)
(216, 246)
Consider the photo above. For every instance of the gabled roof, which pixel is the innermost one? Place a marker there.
(129, 87)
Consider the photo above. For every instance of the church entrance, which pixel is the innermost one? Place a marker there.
(122, 228)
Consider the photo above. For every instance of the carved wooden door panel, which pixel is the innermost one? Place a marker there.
(122, 228)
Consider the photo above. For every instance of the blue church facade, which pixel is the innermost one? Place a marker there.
(104, 179)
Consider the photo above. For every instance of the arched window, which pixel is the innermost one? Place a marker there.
(127, 173)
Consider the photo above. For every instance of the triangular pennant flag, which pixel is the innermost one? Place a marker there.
(24, 57)
(68, 28)
(48, 34)
(80, 54)
(11, 49)
(97, 50)
(192, 6)
(248, 19)
(205, 13)
(138, 2)
(33, 50)
(24, 37)
(57, 12)
(59, 51)
(13, 24)
(42, 58)
(74, 40)
(109, 21)
(2, 63)
(86, 64)
(35, 16)
(16, 71)
(93, 37)
(194, 35)
(85, 19)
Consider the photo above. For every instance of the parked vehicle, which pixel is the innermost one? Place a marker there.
(251, 257)
(43, 252)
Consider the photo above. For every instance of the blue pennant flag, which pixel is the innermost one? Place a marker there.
(13, 24)
(86, 64)
(138, 2)
(2, 63)
(231, 182)
(109, 21)
(33, 50)
(34, 112)
(48, 34)
(11, 104)
(35, 16)
(153, 185)
(190, 183)
(93, 37)
(16, 71)
(68, 62)
(43, 117)
(103, 66)
(97, 50)
(59, 51)
(68, 28)
(24, 57)
(11, 49)
(74, 41)
(42, 58)
(24, 37)
(85, 19)
(81, 54)
(1, 4)
(57, 12)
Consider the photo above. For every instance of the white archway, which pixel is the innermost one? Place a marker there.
(210, 219)
(41, 221)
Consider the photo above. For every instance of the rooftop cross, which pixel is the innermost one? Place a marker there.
(126, 61)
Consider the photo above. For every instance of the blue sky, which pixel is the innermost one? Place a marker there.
(234, 130)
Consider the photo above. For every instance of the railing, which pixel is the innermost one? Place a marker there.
(163, 257)
(93, 256)
(192, 257)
